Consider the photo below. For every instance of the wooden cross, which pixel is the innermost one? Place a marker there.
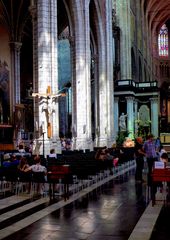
(48, 95)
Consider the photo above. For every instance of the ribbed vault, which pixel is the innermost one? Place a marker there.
(156, 12)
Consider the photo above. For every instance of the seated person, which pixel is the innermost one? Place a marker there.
(52, 153)
(23, 165)
(21, 148)
(164, 158)
(38, 168)
(11, 161)
(100, 155)
(23, 175)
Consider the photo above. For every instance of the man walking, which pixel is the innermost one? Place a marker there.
(151, 155)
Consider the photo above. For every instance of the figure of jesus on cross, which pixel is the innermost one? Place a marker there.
(48, 109)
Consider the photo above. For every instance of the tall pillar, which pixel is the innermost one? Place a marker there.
(154, 116)
(15, 62)
(47, 75)
(33, 12)
(136, 116)
(116, 116)
(124, 20)
(130, 118)
(104, 91)
(109, 74)
(81, 82)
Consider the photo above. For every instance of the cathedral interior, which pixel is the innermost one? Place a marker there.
(116, 58)
(74, 69)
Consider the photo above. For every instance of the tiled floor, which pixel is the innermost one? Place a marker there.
(161, 230)
(110, 212)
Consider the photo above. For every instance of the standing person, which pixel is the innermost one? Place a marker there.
(139, 155)
(158, 144)
(151, 155)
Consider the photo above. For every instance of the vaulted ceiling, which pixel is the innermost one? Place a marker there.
(156, 12)
(14, 15)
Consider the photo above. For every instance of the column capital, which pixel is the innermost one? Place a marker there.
(15, 46)
(116, 99)
(154, 100)
(130, 98)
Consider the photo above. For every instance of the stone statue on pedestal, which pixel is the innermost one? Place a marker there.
(122, 122)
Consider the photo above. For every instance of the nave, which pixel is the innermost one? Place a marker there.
(110, 211)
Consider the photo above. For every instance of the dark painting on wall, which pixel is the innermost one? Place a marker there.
(4, 92)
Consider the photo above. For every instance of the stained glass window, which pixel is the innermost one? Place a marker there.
(163, 41)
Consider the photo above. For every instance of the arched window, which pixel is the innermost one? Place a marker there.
(163, 41)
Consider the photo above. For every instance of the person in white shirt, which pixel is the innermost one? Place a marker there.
(38, 168)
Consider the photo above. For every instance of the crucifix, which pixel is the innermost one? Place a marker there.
(49, 109)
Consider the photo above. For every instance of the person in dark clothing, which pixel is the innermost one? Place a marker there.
(139, 156)
(151, 155)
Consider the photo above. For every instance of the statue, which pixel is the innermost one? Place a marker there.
(48, 109)
(122, 122)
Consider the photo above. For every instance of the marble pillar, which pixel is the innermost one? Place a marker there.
(124, 22)
(116, 116)
(46, 109)
(81, 120)
(15, 62)
(154, 116)
(130, 116)
(136, 117)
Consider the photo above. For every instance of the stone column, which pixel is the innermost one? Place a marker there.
(54, 75)
(15, 62)
(154, 116)
(33, 12)
(47, 73)
(104, 92)
(124, 22)
(109, 74)
(136, 116)
(130, 117)
(81, 81)
(116, 116)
